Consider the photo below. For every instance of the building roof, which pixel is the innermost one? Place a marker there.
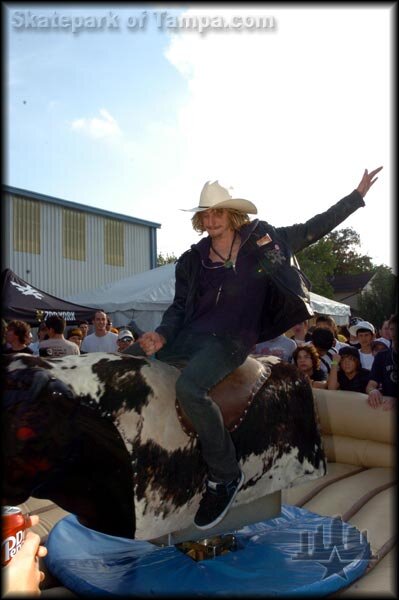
(350, 283)
(75, 206)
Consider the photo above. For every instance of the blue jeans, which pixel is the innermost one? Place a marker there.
(209, 359)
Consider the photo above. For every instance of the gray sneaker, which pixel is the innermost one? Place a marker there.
(216, 501)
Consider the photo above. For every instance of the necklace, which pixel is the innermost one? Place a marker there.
(228, 263)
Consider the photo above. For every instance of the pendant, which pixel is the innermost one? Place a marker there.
(229, 264)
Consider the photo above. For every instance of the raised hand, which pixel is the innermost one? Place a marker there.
(367, 181)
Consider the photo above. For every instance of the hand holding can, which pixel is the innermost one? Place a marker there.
(14, 526)
(21, 551)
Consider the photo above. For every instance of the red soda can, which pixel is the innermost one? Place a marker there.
(14, 525)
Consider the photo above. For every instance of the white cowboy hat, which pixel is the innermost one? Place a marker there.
(214, 195)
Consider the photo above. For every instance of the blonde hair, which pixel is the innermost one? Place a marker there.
(236, 219)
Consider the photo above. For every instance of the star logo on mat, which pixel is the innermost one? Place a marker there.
(334, 547)
(335, 564)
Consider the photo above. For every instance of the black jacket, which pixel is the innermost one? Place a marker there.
(289, 302)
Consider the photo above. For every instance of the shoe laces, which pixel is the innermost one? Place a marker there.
(219, 489)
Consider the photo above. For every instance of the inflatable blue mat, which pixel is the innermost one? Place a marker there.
(296, 554)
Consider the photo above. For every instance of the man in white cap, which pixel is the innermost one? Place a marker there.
(365, 334)
(234, 288)
(125, 339)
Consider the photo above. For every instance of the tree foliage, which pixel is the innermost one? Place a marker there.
(164, 260)
(348, 260)
(334, 254)
(319, 263)
(380, 302)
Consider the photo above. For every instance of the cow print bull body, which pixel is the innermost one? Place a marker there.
(99, 435)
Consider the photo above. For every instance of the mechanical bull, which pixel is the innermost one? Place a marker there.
(102, 436)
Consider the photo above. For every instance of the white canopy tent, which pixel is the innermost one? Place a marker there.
(324, 306)
(145, 297)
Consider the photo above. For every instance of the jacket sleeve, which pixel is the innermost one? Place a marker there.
(300, 236)
(173, 318)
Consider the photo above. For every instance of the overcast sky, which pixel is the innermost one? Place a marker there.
(132, 108)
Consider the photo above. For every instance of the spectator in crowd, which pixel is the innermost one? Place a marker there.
(384, 330)
(42, 334)
(17, 337)
(347, 373)
(301, 335)
(382, 387)
(75, 335)
(309, 334)
(307, 360)
(323, 340)
(343, 334)
(329, 323)
(110, 326)
(22, 575)
(56, 345)
(84, 328)
(281, 346)
(379, 345)
(100, 340)
(352, 341)
(365, 333)
(125, 339)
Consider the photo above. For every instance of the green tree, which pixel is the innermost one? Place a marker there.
(164, 260)
(334, 254)
(319, 263)
(344, 247)
(380, 302)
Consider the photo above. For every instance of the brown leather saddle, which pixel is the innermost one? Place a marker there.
(234, 394)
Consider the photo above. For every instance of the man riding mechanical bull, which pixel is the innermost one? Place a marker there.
(148, 434)
(235, 287)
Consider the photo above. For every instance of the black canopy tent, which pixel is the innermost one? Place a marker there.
(20, 300)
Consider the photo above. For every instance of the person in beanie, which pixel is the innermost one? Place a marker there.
(347, 372)
(236, 287)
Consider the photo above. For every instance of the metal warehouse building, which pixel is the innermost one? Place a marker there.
(65, 248)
